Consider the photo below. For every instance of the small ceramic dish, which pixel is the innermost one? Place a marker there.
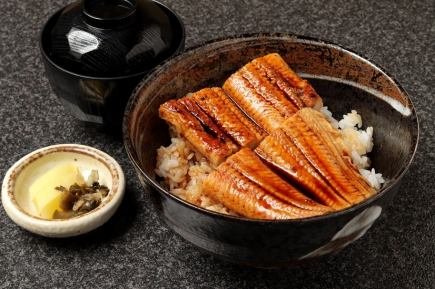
(16, 197)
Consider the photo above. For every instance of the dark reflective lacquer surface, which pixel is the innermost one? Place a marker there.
(344, 80)
(96, 51)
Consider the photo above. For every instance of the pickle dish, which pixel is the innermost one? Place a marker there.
(63, 190)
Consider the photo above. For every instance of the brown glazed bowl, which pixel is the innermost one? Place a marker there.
(345, 81)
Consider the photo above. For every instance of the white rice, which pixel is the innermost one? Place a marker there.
(359, 143)
(350, 120)
(184, 170)
(375, 180)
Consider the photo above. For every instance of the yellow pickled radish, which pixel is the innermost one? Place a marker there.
(45, 197)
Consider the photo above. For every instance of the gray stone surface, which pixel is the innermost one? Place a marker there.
(134, 249)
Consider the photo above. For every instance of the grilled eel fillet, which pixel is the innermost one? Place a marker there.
(279, 152)
(311, 153)
(269, 91)
(244, 184)
(211, 123)
(216, 103)
(299, 144)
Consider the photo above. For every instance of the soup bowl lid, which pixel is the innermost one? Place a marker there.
(112, 38)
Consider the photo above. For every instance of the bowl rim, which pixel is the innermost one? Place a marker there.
(120, 77)
(245, 37)
(27, 221)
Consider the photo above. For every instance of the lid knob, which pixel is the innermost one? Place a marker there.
(105, 13)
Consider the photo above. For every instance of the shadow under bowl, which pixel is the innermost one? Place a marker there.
(342, 78)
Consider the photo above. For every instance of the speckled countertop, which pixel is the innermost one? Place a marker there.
(135, 250)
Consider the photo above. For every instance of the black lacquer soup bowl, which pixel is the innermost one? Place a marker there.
(342, 78)
(95, 52)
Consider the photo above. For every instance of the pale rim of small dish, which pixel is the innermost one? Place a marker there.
(64, 227)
